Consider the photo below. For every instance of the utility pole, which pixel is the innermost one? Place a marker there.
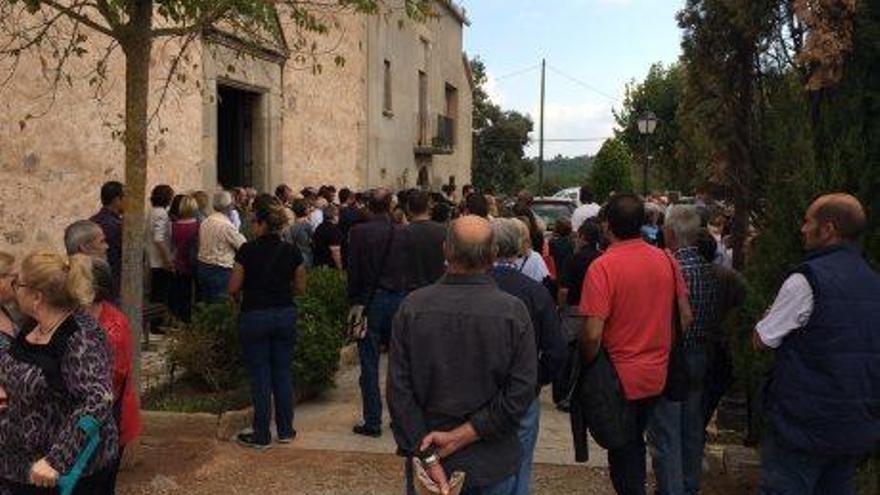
(541, 133)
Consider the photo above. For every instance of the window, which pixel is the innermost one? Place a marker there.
(387, 107)
(451, 101)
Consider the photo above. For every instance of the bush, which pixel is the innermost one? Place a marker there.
(320, 327)
(209, 351)
(327, 286)
(208, 348)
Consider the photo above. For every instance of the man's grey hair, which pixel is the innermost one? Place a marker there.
(471, 256)
(222, 201)
(79, 233)
(685, 223)
(508, 237)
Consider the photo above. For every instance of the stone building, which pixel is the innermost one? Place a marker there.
(397, 113)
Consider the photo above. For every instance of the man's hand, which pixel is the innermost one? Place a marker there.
(43, 474)
(438, 474)
(4, 400)
(450, 442)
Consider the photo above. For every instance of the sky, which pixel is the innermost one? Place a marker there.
(592, 47)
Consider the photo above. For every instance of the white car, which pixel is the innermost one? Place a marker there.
(572, 194)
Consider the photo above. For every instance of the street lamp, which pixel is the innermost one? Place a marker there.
(647, 125)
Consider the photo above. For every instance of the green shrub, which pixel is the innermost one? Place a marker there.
(320, 327)
(327, 286)
(208, 347)
(209, 350)
(319, 340)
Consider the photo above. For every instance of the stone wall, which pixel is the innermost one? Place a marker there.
(53, 163)
(314, 127)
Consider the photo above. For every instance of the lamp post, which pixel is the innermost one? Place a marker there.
(647, 125)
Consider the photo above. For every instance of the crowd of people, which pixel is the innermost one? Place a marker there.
(479, 305)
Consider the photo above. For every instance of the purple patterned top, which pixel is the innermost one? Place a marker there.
(49, 388)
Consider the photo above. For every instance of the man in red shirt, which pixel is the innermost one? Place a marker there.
(627, 298)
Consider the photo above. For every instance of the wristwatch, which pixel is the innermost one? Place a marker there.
(430, 460)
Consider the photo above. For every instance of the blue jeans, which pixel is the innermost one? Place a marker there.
(213, 282)
(676, 433)
(506, 487)
(529, 426)
(380, 314)
(787, 471)
(268, 337)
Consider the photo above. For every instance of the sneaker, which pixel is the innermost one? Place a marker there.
(366, 431)
(248, 440)
(287, 440)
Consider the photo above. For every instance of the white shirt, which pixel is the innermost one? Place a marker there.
(218, 241)
(583, 213)
(235, 218)
(533, 266)
(158, 231)
(316, 218)
(791, 311)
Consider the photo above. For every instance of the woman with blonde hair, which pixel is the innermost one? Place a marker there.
(8, 324)
(266, 274)
(185, 239)
(57, 371)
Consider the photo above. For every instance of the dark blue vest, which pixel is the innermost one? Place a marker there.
(824, 392)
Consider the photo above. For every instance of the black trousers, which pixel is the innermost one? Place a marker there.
(627, 464)
(160, 285)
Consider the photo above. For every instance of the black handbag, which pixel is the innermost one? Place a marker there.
(677, 381)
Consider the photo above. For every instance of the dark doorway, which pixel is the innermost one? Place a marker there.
(236, 111)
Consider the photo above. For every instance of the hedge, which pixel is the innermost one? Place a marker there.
(209, 350)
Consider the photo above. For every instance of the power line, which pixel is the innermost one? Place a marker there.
(517, 73)
(583, 84)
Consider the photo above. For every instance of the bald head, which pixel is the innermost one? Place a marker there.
(470, 245)
(842, 211)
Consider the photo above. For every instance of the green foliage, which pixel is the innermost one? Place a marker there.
(673, 166)
(320, 327)
(208, 347)
(561, 172)
(319, 340)
(500, 138)
(611, 170)
(209, 350)
(798, 142)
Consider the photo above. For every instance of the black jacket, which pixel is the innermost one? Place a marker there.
(597, 405)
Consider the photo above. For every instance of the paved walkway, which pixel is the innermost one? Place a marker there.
(325, 424)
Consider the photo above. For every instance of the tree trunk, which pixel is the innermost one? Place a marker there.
(743, 152)
(136, 45)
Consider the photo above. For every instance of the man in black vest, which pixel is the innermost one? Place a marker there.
(823, 399)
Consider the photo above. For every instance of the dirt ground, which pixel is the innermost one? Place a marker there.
(172, 466)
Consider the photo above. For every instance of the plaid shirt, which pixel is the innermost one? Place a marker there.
(704, 295)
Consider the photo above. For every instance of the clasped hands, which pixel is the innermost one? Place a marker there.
(444, 444)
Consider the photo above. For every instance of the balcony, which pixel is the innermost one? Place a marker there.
(435, 136)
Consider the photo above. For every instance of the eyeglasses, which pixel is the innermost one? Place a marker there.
(18, 285)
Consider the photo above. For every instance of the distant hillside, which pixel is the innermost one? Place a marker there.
(561, 172)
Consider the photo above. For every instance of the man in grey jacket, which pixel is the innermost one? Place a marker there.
(463, 369)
